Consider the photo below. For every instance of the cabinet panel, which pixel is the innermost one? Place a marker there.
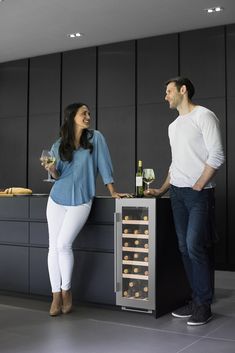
(38, 234)
(44, 94)
(116, 75)
(152, 138)
(13, 89)
(231, 182)
(95, 237)
(93, 277)
(43, 132)
(39, 277)
(13, 136)
(14, 207)
(38, 207)
(230, 60)
(14, 232)
(79, 77)
(157, 61)
(102, 210)
(118, 126)
(14, 268)
(202, 54)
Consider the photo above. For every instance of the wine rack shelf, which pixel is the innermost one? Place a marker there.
(133, 276)
(137, 222)
(135, 263)
(135, 249)
(135, 236)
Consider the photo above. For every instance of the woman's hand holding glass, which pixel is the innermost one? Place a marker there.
(48, 162)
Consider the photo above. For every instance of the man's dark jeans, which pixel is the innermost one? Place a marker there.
(192, 211)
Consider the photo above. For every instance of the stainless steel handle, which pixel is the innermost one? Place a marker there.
(115, 251)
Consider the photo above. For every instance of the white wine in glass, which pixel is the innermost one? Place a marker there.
(47, 157)
(148, 176)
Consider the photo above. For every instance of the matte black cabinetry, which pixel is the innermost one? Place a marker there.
(24, 248)
(44, 114)
(231, 141)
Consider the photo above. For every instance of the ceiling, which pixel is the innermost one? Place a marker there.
(36, 27)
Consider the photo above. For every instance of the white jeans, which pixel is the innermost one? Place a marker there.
(64, 224)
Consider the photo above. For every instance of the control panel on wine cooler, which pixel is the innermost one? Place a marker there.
(136, 239)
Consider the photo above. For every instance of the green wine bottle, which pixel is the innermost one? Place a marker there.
(139, 181)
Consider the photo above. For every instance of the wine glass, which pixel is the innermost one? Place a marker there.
(47, 157)
(148, 176)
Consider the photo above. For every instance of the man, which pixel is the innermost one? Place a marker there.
(197, 154)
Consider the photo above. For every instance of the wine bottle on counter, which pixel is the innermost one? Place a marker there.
(139, 180)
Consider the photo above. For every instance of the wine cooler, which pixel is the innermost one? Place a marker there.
(135, 254)
(149, 274)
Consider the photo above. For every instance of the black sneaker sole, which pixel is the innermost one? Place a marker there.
(191, 323)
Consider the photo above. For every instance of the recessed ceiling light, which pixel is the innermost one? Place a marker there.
(75, 35)
(214, 9)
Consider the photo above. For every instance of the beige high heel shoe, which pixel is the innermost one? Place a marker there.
(67, 301)
(56, 304)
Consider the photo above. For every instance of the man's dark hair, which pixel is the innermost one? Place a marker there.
(183, 81)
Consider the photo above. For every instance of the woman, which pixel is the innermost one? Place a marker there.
(80, 153)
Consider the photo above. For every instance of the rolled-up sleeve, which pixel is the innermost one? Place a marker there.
(104, 160)
(212, 138)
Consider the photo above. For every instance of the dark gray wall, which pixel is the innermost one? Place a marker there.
(123, 83)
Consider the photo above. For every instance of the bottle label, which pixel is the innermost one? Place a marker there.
(139, 181)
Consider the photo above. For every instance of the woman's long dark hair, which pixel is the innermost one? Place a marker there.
(67, 134)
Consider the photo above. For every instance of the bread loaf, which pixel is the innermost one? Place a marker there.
(18, 191)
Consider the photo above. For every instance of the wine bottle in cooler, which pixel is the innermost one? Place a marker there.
(139, 186)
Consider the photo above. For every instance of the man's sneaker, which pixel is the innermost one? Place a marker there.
(201, 315)
(185, 311)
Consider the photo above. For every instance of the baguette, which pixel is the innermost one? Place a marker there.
(18, 191)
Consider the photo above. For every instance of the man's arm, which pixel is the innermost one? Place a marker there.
(206, 176)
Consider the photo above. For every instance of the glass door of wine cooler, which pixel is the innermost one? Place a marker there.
(135, 253)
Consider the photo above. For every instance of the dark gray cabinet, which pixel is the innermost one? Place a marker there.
(24, 249)
(44, 115)
(79, 78)
(157, 61)
(116, 64)
(231, 141)
(13, 89)
(14, 268)
(202, 59)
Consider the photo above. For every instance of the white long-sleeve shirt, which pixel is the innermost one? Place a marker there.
(195, 141)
